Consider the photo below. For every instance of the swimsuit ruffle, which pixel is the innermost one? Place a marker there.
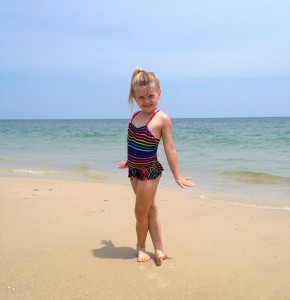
(146, 173)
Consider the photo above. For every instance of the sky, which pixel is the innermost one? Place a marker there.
(74, 59)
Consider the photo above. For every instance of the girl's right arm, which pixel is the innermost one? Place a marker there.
(123, 165)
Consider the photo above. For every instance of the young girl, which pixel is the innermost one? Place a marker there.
(146, 129)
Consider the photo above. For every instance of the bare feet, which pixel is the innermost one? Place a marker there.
(160, 256)
(142, 256)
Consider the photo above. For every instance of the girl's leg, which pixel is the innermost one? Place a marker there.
(145, 192)
(155, 232)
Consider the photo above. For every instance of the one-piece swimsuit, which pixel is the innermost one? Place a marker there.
(142, 152)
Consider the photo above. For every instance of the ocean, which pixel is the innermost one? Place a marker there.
(244, 161)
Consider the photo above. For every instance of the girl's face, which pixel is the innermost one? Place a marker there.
(147, 98)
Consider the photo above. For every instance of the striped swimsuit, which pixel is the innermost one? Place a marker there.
(142, 152)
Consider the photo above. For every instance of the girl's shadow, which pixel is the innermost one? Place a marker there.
(110, 251)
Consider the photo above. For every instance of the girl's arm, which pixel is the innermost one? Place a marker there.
(171, 154)
(123, 165)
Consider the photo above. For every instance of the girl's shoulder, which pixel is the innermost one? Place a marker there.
(164, 117)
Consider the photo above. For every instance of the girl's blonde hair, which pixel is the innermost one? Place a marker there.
(141, 78)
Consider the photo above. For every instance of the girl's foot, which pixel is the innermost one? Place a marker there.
(160, 256)
(142, 256)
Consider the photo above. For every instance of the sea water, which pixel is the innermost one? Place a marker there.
(241, 160)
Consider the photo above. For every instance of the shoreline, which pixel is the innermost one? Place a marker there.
(76, 240)
(278, 201)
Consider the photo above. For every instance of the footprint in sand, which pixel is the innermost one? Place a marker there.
(171, 266)
(95, 211)
(160, 283)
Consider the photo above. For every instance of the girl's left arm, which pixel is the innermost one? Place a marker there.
(171, 154)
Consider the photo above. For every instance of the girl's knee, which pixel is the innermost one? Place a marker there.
(144, 206)
(154, 206)
(141, 212)
(153, 211)
(141, 215)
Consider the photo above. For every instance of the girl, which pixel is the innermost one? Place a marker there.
(145, 130)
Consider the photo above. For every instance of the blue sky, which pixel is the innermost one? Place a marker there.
(74, 59)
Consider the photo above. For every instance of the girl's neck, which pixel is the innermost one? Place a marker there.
(148, 113)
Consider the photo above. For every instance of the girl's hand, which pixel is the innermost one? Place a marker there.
(123, 165)
(184, 181)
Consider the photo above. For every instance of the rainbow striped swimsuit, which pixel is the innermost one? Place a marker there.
(142, 152)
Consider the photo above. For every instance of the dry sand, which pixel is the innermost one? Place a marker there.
(76, 240)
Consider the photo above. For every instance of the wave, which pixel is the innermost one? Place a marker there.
(77, 171)
(285, 208)
(79, 168)
(85, 170)
(35, 172)
(257, 177)
(240, 200)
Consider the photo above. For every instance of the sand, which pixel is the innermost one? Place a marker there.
(76, 240)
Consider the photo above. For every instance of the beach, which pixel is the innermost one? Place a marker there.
(79, 92)
(63, 239)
